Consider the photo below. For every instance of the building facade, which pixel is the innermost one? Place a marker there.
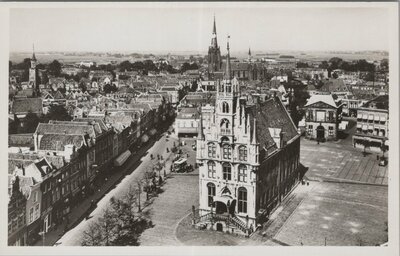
(248, 159)
(322, 118)
(372, 125)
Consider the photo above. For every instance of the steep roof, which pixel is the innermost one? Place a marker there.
(57, 142)
(270, 114)
(21, 140)
(380, 102)
(25, 105)
(44, 128)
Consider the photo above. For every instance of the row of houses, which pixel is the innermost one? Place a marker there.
(62, 162)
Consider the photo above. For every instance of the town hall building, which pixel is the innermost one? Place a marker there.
(248, 157)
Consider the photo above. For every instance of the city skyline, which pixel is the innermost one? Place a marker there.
(189, 29)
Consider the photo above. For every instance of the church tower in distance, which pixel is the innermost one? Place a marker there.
(214, 53)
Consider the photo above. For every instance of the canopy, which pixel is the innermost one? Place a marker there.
(365, 127)
(180, 161)
(383, 119)
(376, 118)
(223, 199)
(359, 126)
(365, 116)
(121, 159)
(370, 127)
(371, 117)
(359, 116)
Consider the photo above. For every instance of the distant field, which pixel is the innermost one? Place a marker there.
(315, 56)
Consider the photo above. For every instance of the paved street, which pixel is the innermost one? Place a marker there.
(345, 189)
(73, 237)
(337, 162)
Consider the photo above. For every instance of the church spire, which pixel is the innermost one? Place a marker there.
(33, 52)
(228, 63)
(214, 27)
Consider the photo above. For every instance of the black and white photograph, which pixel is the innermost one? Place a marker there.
(190, 125)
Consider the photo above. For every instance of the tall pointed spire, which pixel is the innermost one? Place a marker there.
(249, 52)
(214, 27)
(33, 52)
(228, 63)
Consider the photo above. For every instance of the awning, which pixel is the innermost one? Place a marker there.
(121, 159)
(359, 126)
(365, 127)
(371, 117)
(370, 127)
(223, 199)
(383, 119)
(376, 118)
(386, 142)
(365, 116)
(359, 116)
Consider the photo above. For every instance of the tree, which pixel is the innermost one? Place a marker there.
(384, 64)
(108, 88)
(55, 68)
(57, 112)
(125, 65)
(335, 75)
(92, 236)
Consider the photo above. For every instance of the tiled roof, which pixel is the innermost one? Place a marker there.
(90, 120)
(271, 114)
(21, 140)
(380, 102)
(331, 85)
(24, 105)
(44, 128)
(57, 142)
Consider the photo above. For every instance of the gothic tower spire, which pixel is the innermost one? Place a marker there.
(33, 52)
(215, 27)
(228, 63)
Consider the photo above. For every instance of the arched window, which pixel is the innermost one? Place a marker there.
(211, 193)
(211, 169)
(227, 171)
(242, 173)
(212, 149)
(226, 151)
(242, 153)
(224, 123)
(242, 200)
(225, 107)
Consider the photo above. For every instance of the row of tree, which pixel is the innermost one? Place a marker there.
(123, 221)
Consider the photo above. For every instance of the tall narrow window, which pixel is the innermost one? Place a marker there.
(242, 153)
(227, 171)
(211, 193)
(211, 169)
(242, 173)
(242, 200)
(211, 150)
(225, 107)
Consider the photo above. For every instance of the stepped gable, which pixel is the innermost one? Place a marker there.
(270, 114)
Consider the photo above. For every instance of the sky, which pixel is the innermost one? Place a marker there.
(174, 29)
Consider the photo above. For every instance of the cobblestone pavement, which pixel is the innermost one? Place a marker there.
(337, 162)
(343, 214)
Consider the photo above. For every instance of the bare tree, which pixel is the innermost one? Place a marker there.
(93, 236)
